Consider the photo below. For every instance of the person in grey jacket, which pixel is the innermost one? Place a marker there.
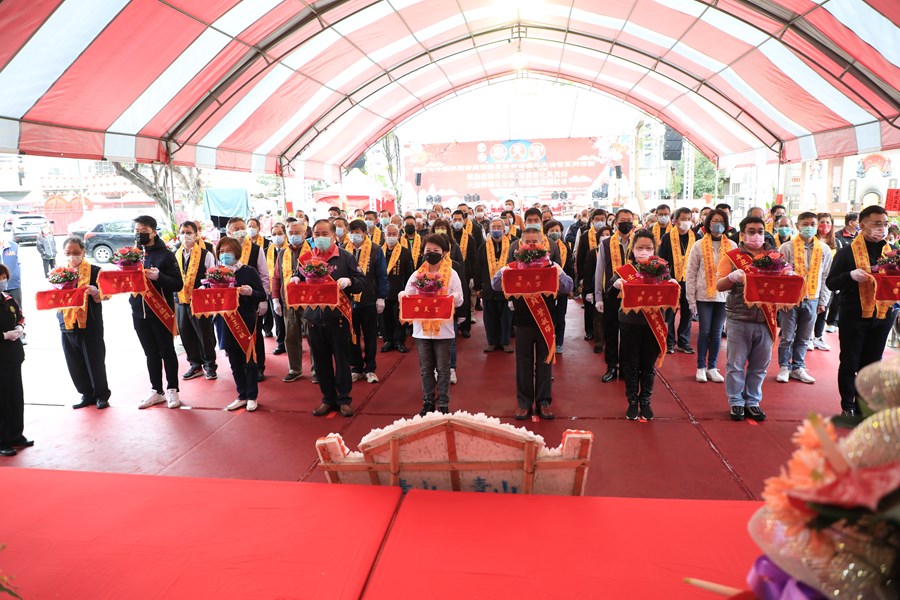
(46, 246)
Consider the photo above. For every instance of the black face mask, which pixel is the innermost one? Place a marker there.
(142, 238)
(433, 258)
(625, 228)
(409, 229)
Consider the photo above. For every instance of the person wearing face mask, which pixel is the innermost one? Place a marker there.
(482, 220)
(675, 248)
(532, 220)
(491, 257)
(285, 268)
(197, 334)
(662, 225)
(704, 300)
(46, 247)
(553, 231)
(253, 256)
(509, 225)
(210, 233)
(610, 256)
(468, 244)
(594, 322)
(580, 221)
(12, 355)
(250, 294)
(534, 374)
(809, 258)
(82, 332)
(399, 267)
(865, 325)
(370, 219)
(588, 239)
(775, 214)
(700, 226)
(749, 348)
(156, 338)
(279, 243)
(412, 240)
(783, 231)
(893, 237)
(384, 219)
(442, 227)
(758, 211)
(826, 321)
(367, 304)
(254, 233)
(731, 233)
(342, 231)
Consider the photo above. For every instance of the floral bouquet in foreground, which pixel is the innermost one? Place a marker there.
(63, 278)
(654, 268)
(770, 263)
(219, 277)
(128, 257)
(532, 255)
(889, 264)
(428, 284)
(315, 270)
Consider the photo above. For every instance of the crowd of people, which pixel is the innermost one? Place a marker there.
(376, 259)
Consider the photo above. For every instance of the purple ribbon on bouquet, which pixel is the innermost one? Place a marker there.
(769, 582)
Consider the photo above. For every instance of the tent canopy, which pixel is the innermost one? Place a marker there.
(305, 87)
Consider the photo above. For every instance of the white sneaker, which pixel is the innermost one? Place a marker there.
(714, 376)
(354, 377)
(172, 399)
(820, 344)
(251, 405)
(783, 375)
(802, 375)
(701, 375)
(152, 400)
(236, 405)
(830, 329)
(371, 377)
(810, 345)
(453, 376)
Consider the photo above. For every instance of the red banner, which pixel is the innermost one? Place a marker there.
(637, 295)
(160, 307)
(121, 282)
(312, 294)
(544, 320)
(522, 282)
(426, 308)
(892, 200)
(207, 302)
(887, 287)
(245, 339)
(56, 299)
(653, 314)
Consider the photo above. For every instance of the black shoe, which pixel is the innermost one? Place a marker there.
(260, 376)
(444, 410)
(598, 349)
(611, 374)
(402, 349)
(192, 372)
(210, 375)
(588, 337)
(756, 413)
(387, 347)
(267, 334)
(737, 413)
(101, 404)
(633, 410)
(7, 451)
(670, 350)
(849, 413)
(466, 333)
(686, 349)
(646, 410)
(427, 407)
(22, 442)
(83, 404)
(278, 350)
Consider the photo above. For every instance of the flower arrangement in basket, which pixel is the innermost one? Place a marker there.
(63, 278)
(316, 270)
(219, 277)
(652, 270)
(428, 284)
(129, 258)
(532, 255)
(888, 264)
(770, 263)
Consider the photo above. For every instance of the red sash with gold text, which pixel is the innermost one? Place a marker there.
(531, 285)
(136, 283)
(654, 316)
(742, 261)
(208, 302)
(343, 303)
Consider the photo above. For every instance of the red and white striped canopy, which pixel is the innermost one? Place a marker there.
(305, 87)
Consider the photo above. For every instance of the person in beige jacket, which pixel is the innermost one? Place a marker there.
(703, 299)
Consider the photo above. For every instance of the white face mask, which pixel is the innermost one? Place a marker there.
(683, 226)
(239, 234)
(877, 233)
(392, 240)
(253, 231)
(75, 259)
(186, 238)
(642, 255)
(278, 240)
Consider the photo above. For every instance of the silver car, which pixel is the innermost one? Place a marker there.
(27, 228)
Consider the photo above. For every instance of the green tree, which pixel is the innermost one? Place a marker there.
(704, 177)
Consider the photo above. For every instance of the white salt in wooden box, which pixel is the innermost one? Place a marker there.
(460, 452)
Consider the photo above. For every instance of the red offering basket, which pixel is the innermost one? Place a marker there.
(312, 294)
(419, 307)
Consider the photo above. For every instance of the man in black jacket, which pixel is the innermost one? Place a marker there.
(197, 334)
(497, 316)
(399, 269)
(156, 338)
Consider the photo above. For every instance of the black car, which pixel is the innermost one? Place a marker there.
(107, 237)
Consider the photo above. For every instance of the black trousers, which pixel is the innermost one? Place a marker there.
(611, 328)
(198, 338)
(85, 353)
(279, 326)
(159, 348)
(559, 318)
(394, 331)
(268, 320)
(533, 383)
(639, 353)
(330, 349)
(365, 326)
(862, 343)
(464, 313)
(589, 316)
(245, 373)
(684, 323)
(12, 404)
(260, 345)
(497, 320)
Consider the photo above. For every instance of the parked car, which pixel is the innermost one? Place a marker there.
(108, 236)
(27, 228)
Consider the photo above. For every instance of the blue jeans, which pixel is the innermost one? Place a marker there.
(796, 331)
(711, 318)
(747, 356)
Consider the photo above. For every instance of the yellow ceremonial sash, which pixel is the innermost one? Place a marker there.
(678, 262)
(260, 241)
(770, 227)
(464, 244)
(513, 231)
(395, 256)
(778, 241)
(710, 264)
(814, 269)
(563, 252)
(245, 251)
(468, 226)
(287, 263)
(363, 262)
(189, 276)
(71, 316)
(376, 235)
(416, 247)
(615, 257)
(657, 233)
(867, 287)
(592, 238)
(433, 327)
(271, 253)
(494, 263)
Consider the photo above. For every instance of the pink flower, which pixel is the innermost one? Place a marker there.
(857, 487)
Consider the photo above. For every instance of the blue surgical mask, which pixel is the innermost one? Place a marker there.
(370, 224)
(295, 240)
(717, 228)
(385, 220)
(534, 226)
(598, 225)
(278, 240)
(323, 243)
(808, 231)
(496, 234)
(554, 235)
(784, 231)
(356, 238)
(663, 219)
(457, 225)
(339, 231)
(227, 259)
(4, 285)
